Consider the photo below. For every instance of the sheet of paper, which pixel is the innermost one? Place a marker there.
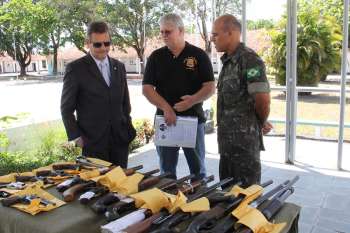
(183, 134)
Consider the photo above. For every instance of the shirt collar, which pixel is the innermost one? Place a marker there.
(170, 52)
(98, 62)
(226, 57)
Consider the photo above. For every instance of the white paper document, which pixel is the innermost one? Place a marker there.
(183, 134)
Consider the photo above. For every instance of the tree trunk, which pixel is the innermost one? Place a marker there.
(140, 54)
(142, 64)
(55, 55)
(23, 69)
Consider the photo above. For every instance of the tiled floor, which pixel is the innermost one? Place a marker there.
(322, 191)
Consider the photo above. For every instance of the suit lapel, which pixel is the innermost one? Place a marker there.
(94, 69)
(115, 73)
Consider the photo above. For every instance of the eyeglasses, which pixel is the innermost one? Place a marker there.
(166, 32)
(99, 44)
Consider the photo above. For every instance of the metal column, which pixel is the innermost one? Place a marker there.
(244, 21)
(291, 80)
(343, 83)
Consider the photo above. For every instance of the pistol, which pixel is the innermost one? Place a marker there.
(25, 199)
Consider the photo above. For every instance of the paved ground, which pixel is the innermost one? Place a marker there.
(41, 98)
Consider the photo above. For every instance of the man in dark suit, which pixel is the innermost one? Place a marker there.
(95, 88)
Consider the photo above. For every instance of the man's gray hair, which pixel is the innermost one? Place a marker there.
(174, 19)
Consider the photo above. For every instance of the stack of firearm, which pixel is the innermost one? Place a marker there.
(120, 210)
(217, 220)
(45, 175)
(194, 190)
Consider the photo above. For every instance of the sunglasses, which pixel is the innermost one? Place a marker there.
(99, 44)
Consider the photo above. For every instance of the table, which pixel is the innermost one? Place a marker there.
(75, 218)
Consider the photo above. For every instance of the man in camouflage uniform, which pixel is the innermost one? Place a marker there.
(243, 104)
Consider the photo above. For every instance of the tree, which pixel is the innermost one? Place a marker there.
(133, 21)
(67, 21)
(19, 33)
(259, 24)
(52, 39)
(57, 28)
(333, 8)
(318, 49)
(77, 16)
(202, 11)
(2, 2)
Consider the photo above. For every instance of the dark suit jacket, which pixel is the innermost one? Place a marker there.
(98, 107)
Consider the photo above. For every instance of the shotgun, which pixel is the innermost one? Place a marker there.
(77, 180)
(271, 209)
(128, 204)
(227, 223)
(155, 220)
(100, 206)
(206, 220)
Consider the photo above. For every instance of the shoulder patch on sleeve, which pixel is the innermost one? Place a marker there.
(253, 72)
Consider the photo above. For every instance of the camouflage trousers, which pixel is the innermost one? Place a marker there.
(241, 163)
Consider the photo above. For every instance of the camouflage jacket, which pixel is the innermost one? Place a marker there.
(242, 75)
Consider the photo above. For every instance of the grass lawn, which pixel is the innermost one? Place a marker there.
(31, 136)
(315, 107)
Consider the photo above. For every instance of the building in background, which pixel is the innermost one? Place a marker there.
(40, 64)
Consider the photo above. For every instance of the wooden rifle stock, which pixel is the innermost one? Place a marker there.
(46, 173)
(142, 227)
(149, 182)
(173, 219)
(77, 180)
(99, 207)
(128, 204)
(227, 223)
(46, 180)
(149, 173)
(209, 218)
(64, 166)
(132, 170)
(275, 204)
(25, 178)
(68, 183)
(70, 193)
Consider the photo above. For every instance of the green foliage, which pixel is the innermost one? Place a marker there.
(4, 142)
(7, 120)
(201, 14)
(19, 22)
(50, 146)
(132, 21)
(71, 19)
(144, 133)
(318, 48)
(259, 24)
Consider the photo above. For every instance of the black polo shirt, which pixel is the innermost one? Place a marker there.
(174, 77)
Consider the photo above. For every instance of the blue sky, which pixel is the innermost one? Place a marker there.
(265, 9)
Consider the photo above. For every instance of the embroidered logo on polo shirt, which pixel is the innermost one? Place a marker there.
(190, 63)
